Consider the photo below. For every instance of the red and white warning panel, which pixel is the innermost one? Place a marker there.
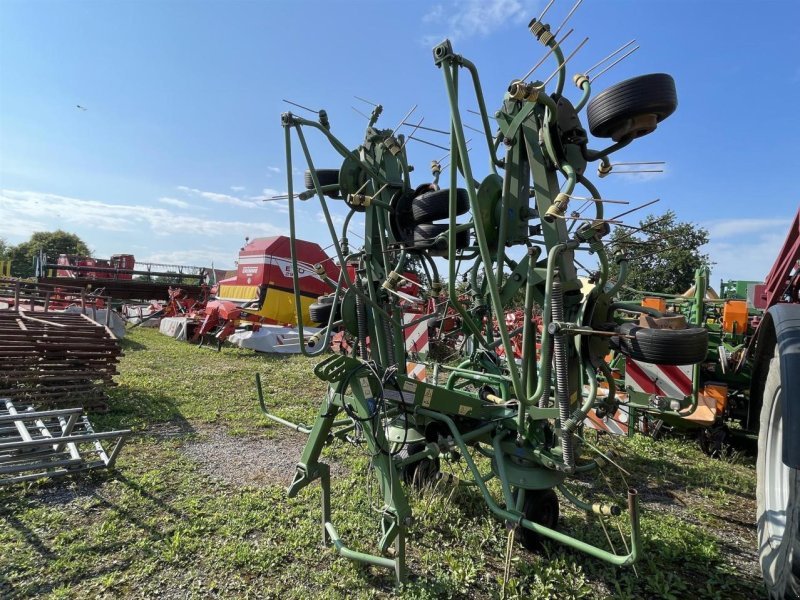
(662, 380)
(417, 345)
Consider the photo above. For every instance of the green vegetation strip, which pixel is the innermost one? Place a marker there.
(167, 525)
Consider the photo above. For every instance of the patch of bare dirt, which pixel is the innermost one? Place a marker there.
(243, 461)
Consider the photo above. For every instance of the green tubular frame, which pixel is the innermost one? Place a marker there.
(449, 416)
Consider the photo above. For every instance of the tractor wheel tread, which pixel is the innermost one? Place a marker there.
(435, 205)
(540, 506)
(643, 95)
(424, 233)
(663, 346)
(320, 313)
(779, 550)
(325, 177)
(419, 474)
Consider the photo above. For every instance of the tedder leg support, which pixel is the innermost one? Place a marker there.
(396, 512)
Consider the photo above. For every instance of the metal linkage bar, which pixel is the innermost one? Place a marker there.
(37, 444)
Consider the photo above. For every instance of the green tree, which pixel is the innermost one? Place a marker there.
(52, 243)
(663, 256)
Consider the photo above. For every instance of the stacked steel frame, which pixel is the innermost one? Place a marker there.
(52, 359)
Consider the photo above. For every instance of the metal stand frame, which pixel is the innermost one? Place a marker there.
(36, 444)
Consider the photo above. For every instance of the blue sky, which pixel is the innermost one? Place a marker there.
(181, 134)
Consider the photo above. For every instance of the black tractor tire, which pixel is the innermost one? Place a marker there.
(540, 506)
(609, 112)
(320, 313)
(777, 496)
(325, 177)
(424, 233)
(663, 346)
(420, 474)
(432, 206)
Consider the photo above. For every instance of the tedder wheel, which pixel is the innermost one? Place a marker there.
(320, 311)
(424, 233)
(777, 497)
(421, 473)
(541, 506)
(432, 206)
(663, 346)
(632, 108)
(326, 177)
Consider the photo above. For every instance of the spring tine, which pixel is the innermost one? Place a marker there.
(359, 112)
(316, 112)
(428, 128)
(616, 62)
(610, 56)
(567, 18)
(544, 58)
(627, 212)
(646, 227)
(652, 162)
(590, 199)
(544, 12)
(411, 137)
(566, 60)
(365, 101)
(403, 120)
(634, 172)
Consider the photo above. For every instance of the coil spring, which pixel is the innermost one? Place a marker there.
(562, 376)
(387, 328)
(361, 319)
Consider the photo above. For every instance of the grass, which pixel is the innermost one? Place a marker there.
(164, 525)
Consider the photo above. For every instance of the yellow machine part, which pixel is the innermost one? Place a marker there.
(660, 304)
(238, 293)
(278, 304)
(734, 316)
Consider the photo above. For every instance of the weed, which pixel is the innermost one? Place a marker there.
(160, 527)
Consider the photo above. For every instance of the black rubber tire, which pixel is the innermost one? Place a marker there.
(320, 313)
(663, 346)
(778, 526)
(425, 232)
(541, 506)
(652, 94)
(432, 206)
(325, 177)
(715, 441)
(422, 473)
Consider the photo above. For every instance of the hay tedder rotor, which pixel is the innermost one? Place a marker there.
(517, 421)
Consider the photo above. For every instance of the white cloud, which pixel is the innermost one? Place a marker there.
(338, 220)
(174, 202)
(469, 18)
(219, 198)
(219, 257)
(237, 188)
(28, 211)
(273, 171)
(726, 228)
(744, 248)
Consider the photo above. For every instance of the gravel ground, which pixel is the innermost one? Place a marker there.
(245, 461)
